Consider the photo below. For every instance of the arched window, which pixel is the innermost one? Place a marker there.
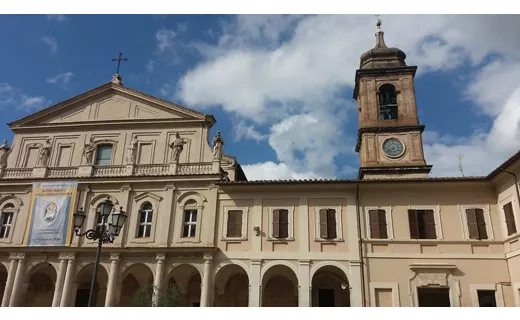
(189, 221)
(6, 221)
(104, 155)
(145, 220)
(388, 102)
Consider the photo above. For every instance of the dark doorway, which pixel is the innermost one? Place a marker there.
(486, 298)
(82, 298)
(196, 304)
(434, 297)
(326, 298)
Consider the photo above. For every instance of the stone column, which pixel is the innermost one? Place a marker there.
(58, 287)
(304, 284)
(159, 277)
(69, 281)
(206, 282)
(10, 281)
(254, 283)
(356, 296)
(112, 280)
(18, 281)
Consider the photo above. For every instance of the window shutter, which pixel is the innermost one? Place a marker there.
(373, 216)
(231, 224)
(284, 223)
(430, 225)
(481, 223)
(510, 219)
(472, 224)
(238, 223)
(323, 224)
(383, 234)
(331, 223)
(412, 221)
(276, 223)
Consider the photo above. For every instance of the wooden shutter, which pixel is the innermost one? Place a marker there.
(383, 234)
(481, 223)
(430, 224)
(412, 221)
(284, 223)
(324, 234)
(238, 223)
(234, 224)
(276, 223)
(510, 219)
(373, 216)
(472, 224)
(331, 223)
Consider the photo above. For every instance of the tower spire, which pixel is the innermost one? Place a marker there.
(380, 40)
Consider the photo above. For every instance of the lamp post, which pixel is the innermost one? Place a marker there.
(108, 229)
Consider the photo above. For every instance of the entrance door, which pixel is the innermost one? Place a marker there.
(326, 298)
(434, 297)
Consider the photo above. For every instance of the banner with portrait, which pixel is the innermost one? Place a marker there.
(51, 214)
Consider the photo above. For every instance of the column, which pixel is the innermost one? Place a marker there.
(69, 280)
(9, 282)
(356, 296)
(112, 280)
(159, 277)
(58, 287)
(18, 281)
(304, 284)
(254, 283)
(205, 292)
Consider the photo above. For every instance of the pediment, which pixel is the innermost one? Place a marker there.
(112, 103)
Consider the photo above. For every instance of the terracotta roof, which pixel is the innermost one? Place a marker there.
(339, 181)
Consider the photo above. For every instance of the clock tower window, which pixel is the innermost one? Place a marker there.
(388, 102)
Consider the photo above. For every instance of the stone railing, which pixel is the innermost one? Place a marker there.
(86, 171)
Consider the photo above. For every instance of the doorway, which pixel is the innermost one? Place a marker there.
(434, 297)
(326, 298)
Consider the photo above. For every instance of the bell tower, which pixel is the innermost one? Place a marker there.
(389, 139)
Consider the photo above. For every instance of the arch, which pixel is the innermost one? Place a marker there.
(279, 262)
(5, 264)
(336, 264)
(83, 278)
(36, 266)
(16, 201)
(85, 264)
(95, 201)
(238, 263)
(330, 287)
(388, 106)
(231, 286)
(135, 276)
(129, 266)
(180, 264)
(199, 198)
(41, 278)
(188, 277)
(280, 286)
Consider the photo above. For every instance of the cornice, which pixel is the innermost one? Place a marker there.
(378, 72)
(387, 129)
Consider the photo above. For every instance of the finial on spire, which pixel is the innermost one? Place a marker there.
(378, 23)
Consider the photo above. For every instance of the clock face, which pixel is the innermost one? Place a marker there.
(393, 147)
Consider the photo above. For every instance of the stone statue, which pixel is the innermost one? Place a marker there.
(4, 153)
(130, 151)
(177, 145)
(89, 149)
(218, 146)
(44, 153)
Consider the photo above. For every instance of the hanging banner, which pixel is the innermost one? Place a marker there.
(50, 214)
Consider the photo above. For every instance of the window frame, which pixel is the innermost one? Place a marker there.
(290, 228)
(436, 215)
(389, 225)
(189, 223)
(245, 225)
(13, 210)
(339, 224)
(139, 201)
(502, 217)
(396, 91)
(499, 295)
(487, 220)
(100, 145)
(145, 224)
(183, 203)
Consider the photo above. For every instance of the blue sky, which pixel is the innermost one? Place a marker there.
(280, 87)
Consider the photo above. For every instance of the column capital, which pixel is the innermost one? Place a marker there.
(208, 257)
(256, 262)
(305, 262)
(114, 257)
(355, 263)
(17, 256)
(160, 258)
(67, 256)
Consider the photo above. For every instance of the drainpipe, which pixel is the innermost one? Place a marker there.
(516, 186)
(360, 243)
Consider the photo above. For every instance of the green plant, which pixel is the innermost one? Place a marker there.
(168, 297)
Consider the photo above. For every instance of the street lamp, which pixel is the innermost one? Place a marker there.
(102, 234)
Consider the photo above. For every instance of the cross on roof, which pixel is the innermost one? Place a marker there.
(119, 61)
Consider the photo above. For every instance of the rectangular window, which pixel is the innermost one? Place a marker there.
(328, 224)
(64, 156)
(189, 223)
(234, 224)
(378, 229)
(476, 223)
(280, 223)
(422, 224)
(104, 155)
(145, 223)
(145, 153)
(486, 298)
(7, 221)
(510, 218)
(30, 159)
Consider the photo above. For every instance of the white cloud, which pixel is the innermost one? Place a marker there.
(165, 38)
(150, 66)
(51, 42)
(13, 97)
(242, 130)
(274, 69)
(57, 17)
(274, 171)
(61, 79)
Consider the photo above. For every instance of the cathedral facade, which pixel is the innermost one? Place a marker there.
(391, 237)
